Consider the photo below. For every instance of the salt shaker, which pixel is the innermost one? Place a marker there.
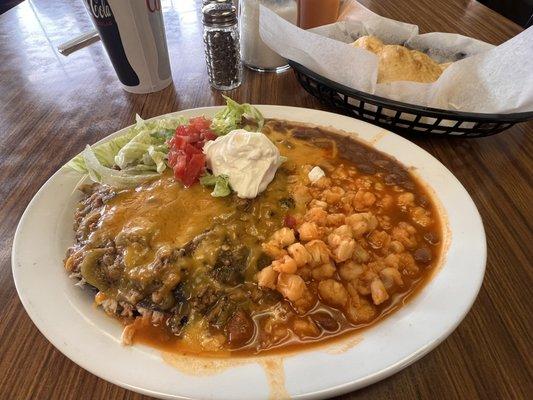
(256, 55)
(221, 39)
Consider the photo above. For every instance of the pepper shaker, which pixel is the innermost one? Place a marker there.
(221, 39)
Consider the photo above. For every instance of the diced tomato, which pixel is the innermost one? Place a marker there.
(182, 131)
(185, 150)
(171, 157)
(199, 123)
(177, 142)
(180, 165)
(195, 137)
(191, 149)
(208, 134)
(195, 167)
(290, 221)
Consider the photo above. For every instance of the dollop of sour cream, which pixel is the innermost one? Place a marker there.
(249, 159)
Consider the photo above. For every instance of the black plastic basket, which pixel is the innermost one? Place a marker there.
(403, 117)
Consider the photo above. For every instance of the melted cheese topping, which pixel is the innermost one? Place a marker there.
(173, 216)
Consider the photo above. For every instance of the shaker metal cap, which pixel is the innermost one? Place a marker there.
(219, 14)
(206, 2)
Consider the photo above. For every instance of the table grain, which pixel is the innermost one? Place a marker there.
(50, 106)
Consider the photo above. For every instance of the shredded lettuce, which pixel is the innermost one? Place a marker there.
(221, 184)
(234, 114)
(105, 152)
(144, 144)
(141, 151)
(109, 176)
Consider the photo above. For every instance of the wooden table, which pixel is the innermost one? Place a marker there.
(51, 105)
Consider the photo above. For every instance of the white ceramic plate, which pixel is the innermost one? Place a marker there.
(67, 318)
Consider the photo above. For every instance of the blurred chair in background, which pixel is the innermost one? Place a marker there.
(8, 4)
(518, 11)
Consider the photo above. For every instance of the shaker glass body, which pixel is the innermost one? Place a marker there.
(222, 57)
(255, 53)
